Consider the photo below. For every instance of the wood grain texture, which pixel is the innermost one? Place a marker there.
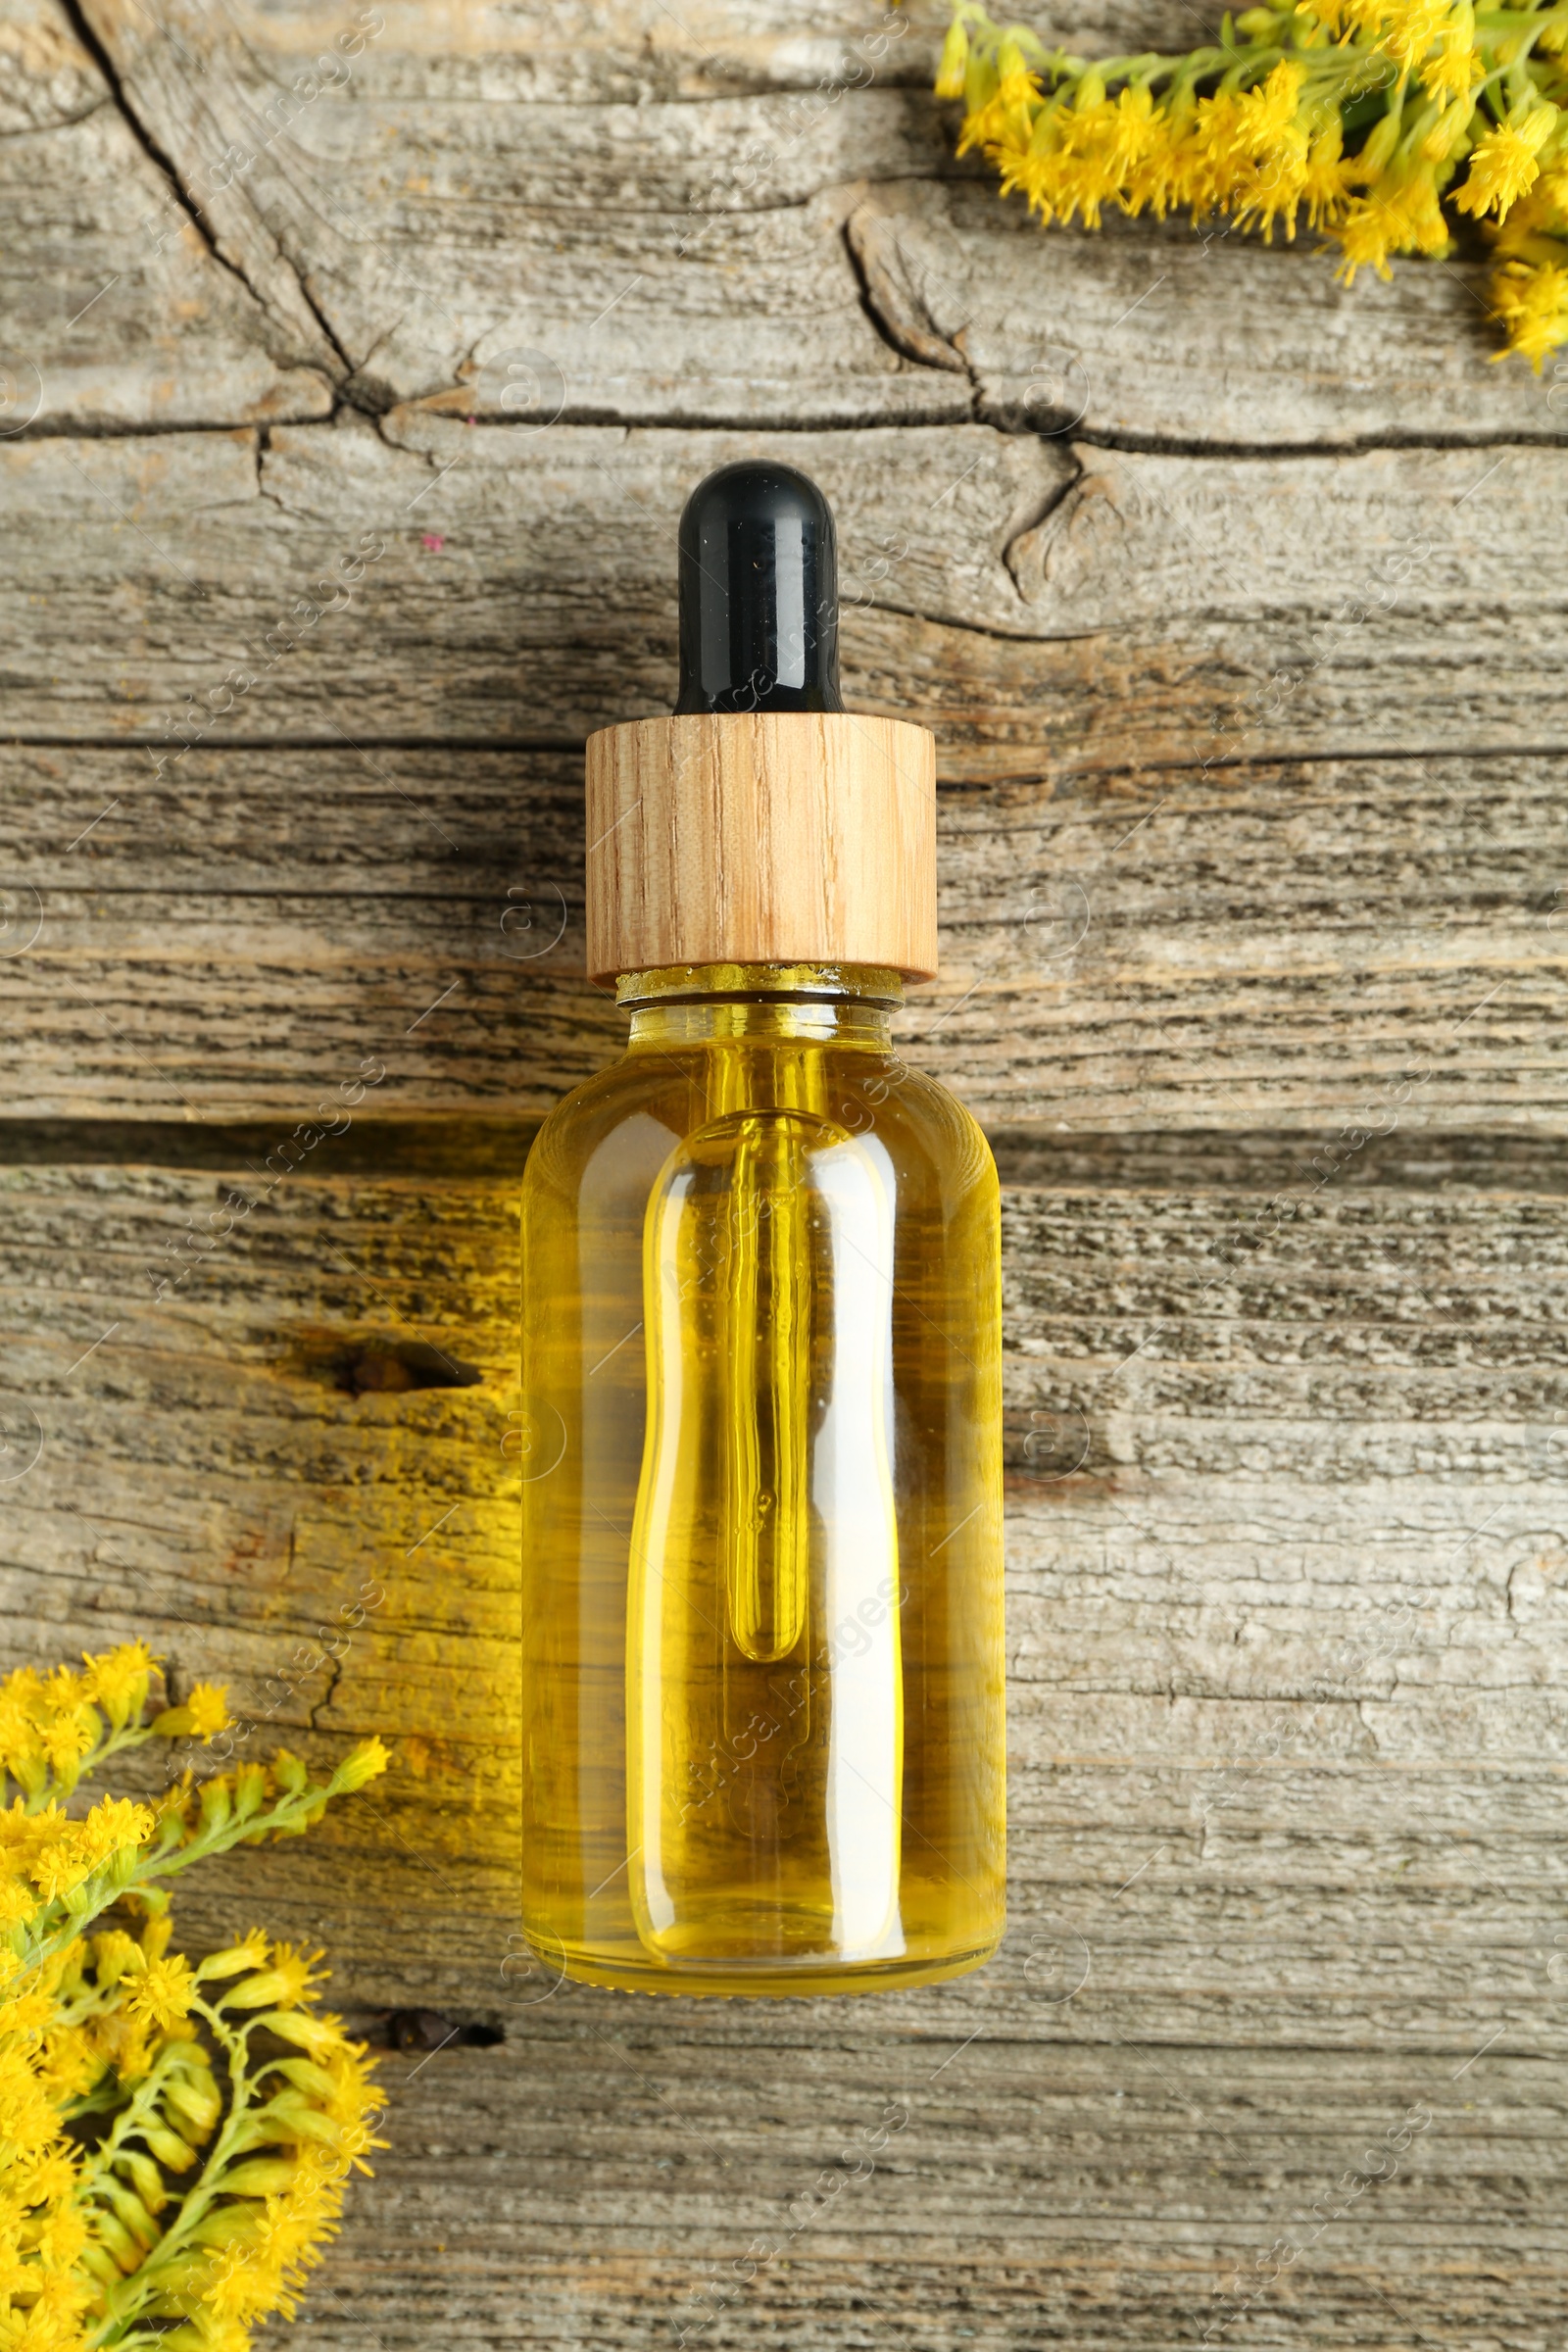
(1235, 601)
(636, 218)
(430, 233)
(1248, 1419)
(116, 312)
(773, 837)
(1325, 943)
(1162, 337)
(1100, 609)
(1286, 1565)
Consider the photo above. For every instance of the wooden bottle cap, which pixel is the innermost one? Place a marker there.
(762, 837)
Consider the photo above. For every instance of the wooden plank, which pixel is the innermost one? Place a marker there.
(1113, 611)
(1308, 1433)
(116, 311)
(642, 221)
(1252, 959)
(1241, 1428)
(454, 236)
(505, 49)
(1370, 944)
(535, 572)
(1154, 337)
(1102, 2302)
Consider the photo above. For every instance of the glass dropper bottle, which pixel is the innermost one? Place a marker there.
(763, 1746)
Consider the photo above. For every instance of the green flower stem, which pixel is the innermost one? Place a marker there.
(1330, 68)
(142, 2109)
(142, 2286)
(54, 1791)
(165, 2189)
(92, 2003)
(172, 1851)
(1398, 136)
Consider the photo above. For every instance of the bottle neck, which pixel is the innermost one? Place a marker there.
(829, 1004)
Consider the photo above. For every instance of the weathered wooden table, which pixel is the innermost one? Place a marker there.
(359, 361)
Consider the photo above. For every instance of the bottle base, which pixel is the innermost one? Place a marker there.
(768, 1980)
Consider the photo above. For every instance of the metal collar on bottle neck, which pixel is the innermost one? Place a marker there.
(794, 981)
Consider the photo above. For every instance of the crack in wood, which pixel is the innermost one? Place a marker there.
(87, 34)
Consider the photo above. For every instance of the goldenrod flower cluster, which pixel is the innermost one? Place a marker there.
(1367, 114)
(164, 2180)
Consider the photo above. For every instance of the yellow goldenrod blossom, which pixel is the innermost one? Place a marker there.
(209, 1709)
(1453, 66)
(1326, 186)
(1532, 301)
(118, 1680)
(250, 1952)
(1503, 166)
(283, 1986)
(364, 1763)
(202, 1717)
(955, 58)
(1408, 30)
(1361, 112)
(163, 1991)
(162, 2226)
(1397, 215)
(67, 1739)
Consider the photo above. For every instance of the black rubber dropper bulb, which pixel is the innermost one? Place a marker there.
(758, 594)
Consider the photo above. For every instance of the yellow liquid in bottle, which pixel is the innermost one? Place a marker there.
(762, 1631)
